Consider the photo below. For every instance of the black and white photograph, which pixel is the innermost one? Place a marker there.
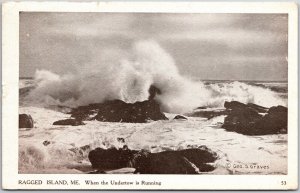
(153, 93)
(165, 93)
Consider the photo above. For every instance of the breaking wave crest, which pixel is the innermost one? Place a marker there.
(129, 76)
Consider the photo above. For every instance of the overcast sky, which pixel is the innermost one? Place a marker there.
(205, 46)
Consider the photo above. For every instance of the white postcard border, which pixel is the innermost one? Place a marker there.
(10, 100)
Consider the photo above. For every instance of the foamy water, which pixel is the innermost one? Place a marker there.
(60, 157)
(128, 77)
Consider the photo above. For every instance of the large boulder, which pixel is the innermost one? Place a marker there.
(188, 161)
(25, 121)
(275, 121)
(252, 119)
(112, 158)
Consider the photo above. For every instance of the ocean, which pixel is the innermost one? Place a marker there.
(237, 153)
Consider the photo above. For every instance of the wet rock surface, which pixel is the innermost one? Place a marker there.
(119, 111)
(235, 105)
(187, 161)
(25, 121)
(248, 119)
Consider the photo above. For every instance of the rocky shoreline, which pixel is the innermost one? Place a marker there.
(246, 119)
(186, 161)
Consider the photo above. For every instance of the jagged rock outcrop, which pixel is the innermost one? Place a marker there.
(255, 120)
(139, 112)
(120, 111)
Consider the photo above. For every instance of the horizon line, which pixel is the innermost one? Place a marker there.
(29, 77)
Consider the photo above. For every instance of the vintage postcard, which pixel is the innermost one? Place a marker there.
(149, 95)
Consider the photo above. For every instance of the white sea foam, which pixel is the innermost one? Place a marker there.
(60, 156)
(129, 76)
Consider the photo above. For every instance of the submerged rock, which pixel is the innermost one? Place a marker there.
(247, 119)
(121, 139)
(45, 143)
(188, 161)
(180, 117)
(25, 121)
(73, 122)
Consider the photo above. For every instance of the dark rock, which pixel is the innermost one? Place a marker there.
(275, 121)
(230, 106)
(277, 110)
(104, 159)
(121, 140)
(84, 112)
(242, 120)
(97, 172)
(234, 105)
(246, 119)
(73, 122)
(188, 161)
(119, 111)
(180, 117)
(45, 143)
(139, 112)
(25, 121)
(201, 107)
(258, 108)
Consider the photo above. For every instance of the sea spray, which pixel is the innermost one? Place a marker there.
(128, 76)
